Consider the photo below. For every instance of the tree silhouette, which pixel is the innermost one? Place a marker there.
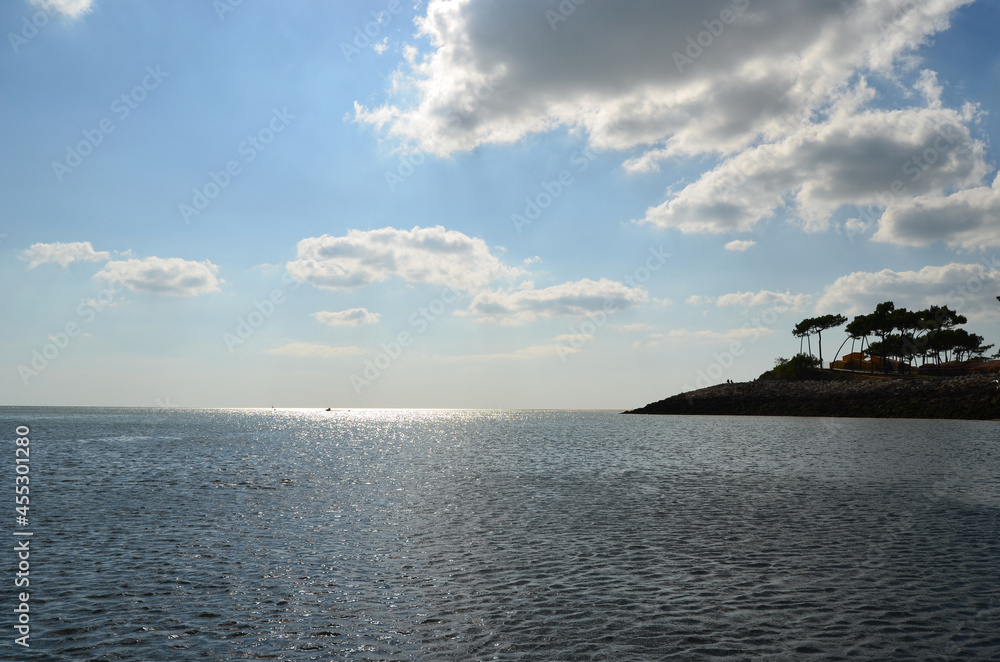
(803, 330)
(882, 325)
(859, 329)
(817, 325)
(824, 323)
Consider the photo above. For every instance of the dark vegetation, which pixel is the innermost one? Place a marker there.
(897, 337)
(930, 335)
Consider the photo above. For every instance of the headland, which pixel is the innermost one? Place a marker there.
(835, 393)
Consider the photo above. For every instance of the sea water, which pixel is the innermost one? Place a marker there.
(172, 534)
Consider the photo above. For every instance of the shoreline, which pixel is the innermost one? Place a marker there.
(974, 397)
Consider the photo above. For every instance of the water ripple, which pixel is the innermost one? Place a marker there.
(259, 535)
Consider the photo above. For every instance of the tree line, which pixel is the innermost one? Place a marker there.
(900, 334)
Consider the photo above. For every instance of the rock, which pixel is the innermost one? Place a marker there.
(973, 397)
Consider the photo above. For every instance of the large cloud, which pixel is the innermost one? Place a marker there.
(421, 255)
(968, 288)
(967, 219)
(63, 254)
(870, 158)
(575, 298)
(634, 74)
(173, 276)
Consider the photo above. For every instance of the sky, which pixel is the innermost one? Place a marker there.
(476, 203)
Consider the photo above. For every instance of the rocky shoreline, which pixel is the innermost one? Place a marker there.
(975, 397)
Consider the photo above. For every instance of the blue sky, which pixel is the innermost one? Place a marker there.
(478, 204)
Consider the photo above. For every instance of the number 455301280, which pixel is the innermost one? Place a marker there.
(21, 468)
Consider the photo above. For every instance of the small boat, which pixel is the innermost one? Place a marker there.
(328, 409)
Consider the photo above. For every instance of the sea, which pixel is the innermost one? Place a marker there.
(301, 534)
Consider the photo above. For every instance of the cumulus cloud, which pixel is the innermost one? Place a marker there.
(421, 255)
(71, 8)
(776, 89)
(315, 351)
(677, 336)
(780, 301)
(63, 254)
(638, 77)
(557, 347)
(966, 219)
(740, 246)
(351, 317)
(968, 288)
(742, 333)
(173, 276)
(638, 327)
(870, 158)
(573, 298)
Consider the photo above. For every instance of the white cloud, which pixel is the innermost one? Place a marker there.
(968, 288)
(556, 348)
(63, 254)
(421, 255)
(739, 246)
(731, 334)
(573, 298)
(779, 92)
(616, 75)
(72, 8)
(678, 336)
(780, 301)
(851, 159)
(351, 317)
(638, 327)
(315, 351)
(173, 276)
(966, 219)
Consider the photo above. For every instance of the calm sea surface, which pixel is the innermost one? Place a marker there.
(176, 534)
